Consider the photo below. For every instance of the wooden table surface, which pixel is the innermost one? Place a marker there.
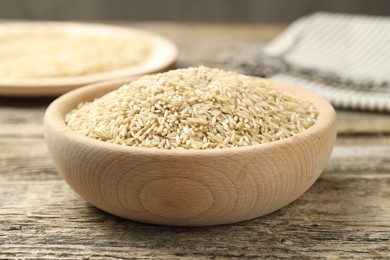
(345, 214)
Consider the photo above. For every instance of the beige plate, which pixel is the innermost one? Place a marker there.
(163, 56)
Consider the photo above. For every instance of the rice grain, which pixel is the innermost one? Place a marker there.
(193, 108)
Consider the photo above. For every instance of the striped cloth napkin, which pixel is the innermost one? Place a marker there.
(344, 58)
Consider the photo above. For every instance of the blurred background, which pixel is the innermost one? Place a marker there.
(268, 11)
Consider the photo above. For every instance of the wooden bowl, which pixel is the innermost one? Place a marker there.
(188, 187)
(163, 55)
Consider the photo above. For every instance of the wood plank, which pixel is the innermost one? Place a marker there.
(353, 122)
(349, 223)
(264, 11)
(370, 158)
(363, 139)
(22, 117)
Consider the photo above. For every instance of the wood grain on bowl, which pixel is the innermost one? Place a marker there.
(188, 187)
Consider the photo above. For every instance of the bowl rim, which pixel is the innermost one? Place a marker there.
(55, 118)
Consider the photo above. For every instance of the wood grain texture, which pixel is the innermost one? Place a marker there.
(188, 187)
(345, 214)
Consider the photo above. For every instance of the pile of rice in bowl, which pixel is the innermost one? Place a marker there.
(193, 108)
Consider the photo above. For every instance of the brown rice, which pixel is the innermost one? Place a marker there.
(193, 108)
(44, 52)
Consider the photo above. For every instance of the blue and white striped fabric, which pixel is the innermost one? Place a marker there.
(344, 58)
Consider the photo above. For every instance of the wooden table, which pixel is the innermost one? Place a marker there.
(346, 213)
